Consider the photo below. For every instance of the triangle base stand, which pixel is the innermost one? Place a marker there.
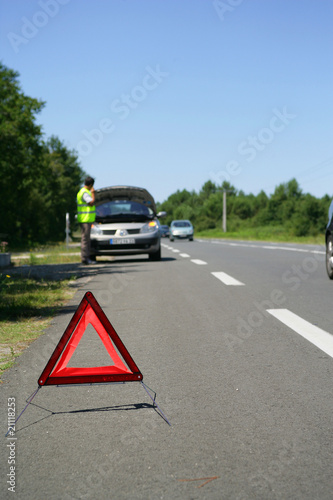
(12, 429)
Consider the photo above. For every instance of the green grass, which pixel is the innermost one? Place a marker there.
(53, 254)
(26, 309)
(265, 233)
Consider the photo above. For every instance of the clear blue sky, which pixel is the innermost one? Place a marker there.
(168, 94)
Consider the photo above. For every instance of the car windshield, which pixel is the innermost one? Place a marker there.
(182, 224)
(123, 210)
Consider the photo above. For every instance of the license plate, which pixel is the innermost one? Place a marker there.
(122, 241)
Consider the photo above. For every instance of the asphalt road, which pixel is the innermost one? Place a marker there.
(217, 330)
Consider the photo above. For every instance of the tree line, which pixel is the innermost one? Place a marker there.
(300, 214)
(39, 176)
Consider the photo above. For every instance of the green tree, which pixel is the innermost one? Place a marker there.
(297, 213)
(243, 207)
(65, 177)
(310, 218)
(231, 190)
(20, 154)
(207, 190)
(260, 201)
(174, 202)
(39, 179)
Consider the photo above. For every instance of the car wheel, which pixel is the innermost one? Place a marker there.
(171, 239)
(329, 257)
(190, 239)
(155, 255)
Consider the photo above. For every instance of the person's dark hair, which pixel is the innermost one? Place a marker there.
(89, 181)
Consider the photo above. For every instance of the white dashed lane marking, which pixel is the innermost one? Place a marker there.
(318, 337)
(226, 279)
(312, 333)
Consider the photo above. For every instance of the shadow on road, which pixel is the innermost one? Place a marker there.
(58, 272)
(126, 407)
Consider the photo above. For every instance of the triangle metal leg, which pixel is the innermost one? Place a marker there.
(11, 429)
(154, 401)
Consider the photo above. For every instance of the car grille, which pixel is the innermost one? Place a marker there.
(113, 231)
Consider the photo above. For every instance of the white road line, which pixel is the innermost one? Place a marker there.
(184, 255)
(226, 279)
(199, 262)
(289, 249)
(174, 250)
(312, 333)
(265, 247)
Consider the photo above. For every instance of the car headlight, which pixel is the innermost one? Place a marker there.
(96, 230)
(150, 227)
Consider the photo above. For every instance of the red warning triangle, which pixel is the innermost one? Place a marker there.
(56, 372)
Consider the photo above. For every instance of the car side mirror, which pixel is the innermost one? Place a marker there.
(161, 214)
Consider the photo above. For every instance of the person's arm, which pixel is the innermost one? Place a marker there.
(89, 198)
(92, 192)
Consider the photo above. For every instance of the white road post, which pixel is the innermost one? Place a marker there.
(67, 230)
(224, 212)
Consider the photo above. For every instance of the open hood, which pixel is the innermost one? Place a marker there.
(131, 193)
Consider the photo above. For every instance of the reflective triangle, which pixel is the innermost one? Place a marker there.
(89, 312)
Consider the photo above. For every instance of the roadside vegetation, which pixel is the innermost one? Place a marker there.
(27, 305)
(276, 234)
(26, 309)
(287, 214)
(47, 254)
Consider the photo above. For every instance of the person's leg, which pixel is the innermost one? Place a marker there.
(85, 241)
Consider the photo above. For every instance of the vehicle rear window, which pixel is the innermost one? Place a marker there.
(181, 224)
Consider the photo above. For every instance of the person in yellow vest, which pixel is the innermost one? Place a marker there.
(86, 213)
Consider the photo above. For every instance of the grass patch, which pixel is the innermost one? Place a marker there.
(55, 254)
(26, 309)
(264, 233)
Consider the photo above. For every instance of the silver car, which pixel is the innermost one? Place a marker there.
(181, 229)
(126, 223)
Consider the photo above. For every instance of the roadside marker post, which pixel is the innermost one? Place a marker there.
(123, 369)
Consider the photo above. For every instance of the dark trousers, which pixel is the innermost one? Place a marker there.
(85, 240)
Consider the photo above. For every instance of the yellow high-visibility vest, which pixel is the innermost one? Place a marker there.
(85, 212)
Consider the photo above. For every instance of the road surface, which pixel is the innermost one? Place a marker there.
(236, 340)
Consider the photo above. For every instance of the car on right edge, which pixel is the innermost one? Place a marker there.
(181, 229)
(329, 243)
